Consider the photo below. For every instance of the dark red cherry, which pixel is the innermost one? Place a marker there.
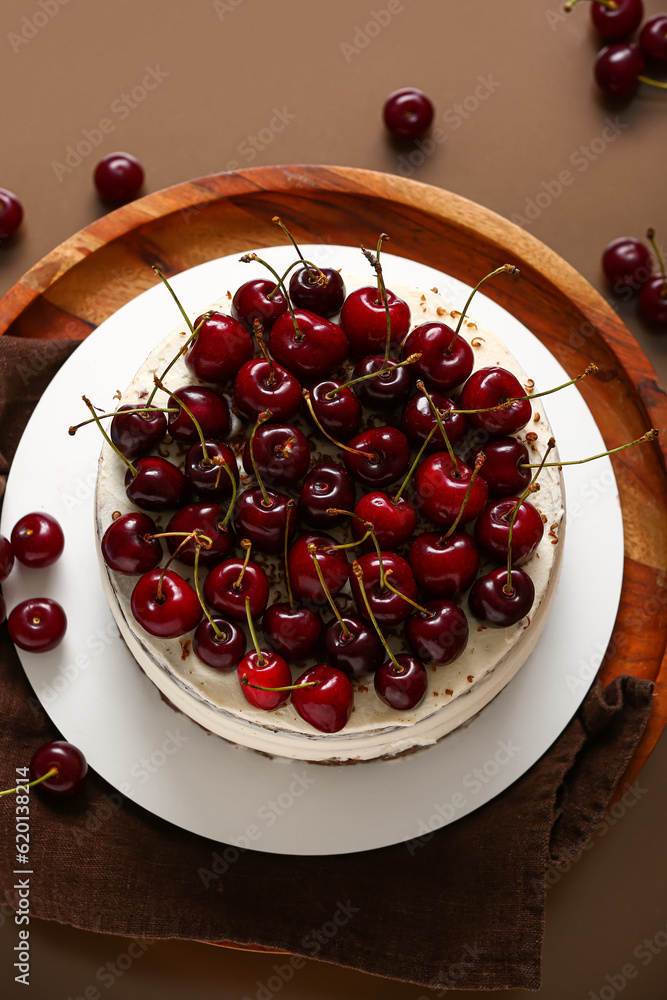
(219, 349)
(490, 387)
(492, 531)
(619, 21)
(383, 456)
(118, 177)
(439, 637)
(364, 320)
(158, 484)
(221, 652)
(492, 605)
(653, 38)
(502, 471)
(281, 452)
(37, 540)
(327, 485)
(315, 352)
(401, 687)
(137, 434)
(653, 300)
(385, 390)
(269, 671)
(7, 557)
(170, 611)
(261, 386)
(207, 479)
(327, 706)
(408, 113)
(393, 521)
(442, 365)
(208, 517)
(69, 762)
(292, 632)
(127, 545)
(356, 652)
(37, 625)
(255, 300)
(617, 68)
(306, 293)
(418, 421)
(444, 567)
(338, 412)
(224, 593)
(264, 524)
(332, 562)
(11, 213)
(441, 490)
(209, 409)
(389, 608)
(626, 263)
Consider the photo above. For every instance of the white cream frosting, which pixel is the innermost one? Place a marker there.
(456, 692)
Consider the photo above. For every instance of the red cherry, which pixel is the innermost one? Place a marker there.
(209, 409)
(208, 517)
(617, 68)
(503, 472)
(37, 540)
(382, 456)
(137, 434)
(292, 631)
(441, 490)
(281, 452)
(389, 608)
(327, 485)
(313, 354)
(219, 349)
(444, 567)
(490, 603)
(37, 625)
(626, 263)
(207, 479)
(173, 612)
(333, 564)
(224, 593)
(619, 21)
(408, 113)
(328, 705)
(356, 651)
(11, 213)
(251, 301)
(439, 637)
(222, 652)
(264, 524)
(653, 300)
(118, 177)
(261, 386)
(364, 320)
(443, 364)
(418, 421)
(269, 671)
(492, 531)
(6, 558)
(386, 390)
(69, 762)
(653, 38)
(158, 485)
(393, 522)
(338, 412)
(490, 387)
(401, 687)
(306, 293)
(127, 546)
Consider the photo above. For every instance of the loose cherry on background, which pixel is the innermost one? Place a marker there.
(154, 484)
(626, 263)
(503, 472)
(209, 409)
(492, 531)
(327, 705)
(352, 646)
(444, 567)
(37, 540)
(614, 19)
(281, 454)
(230, 582)
(378, 456)
(618, 68)
(6, 558)
(653, 39)
(137, 434)
(493, 386)
(439, 636)
(165, 604)
(332, 562)
(388, 607)
(263, 385)
(653, 300)
(314, 352)
(364, 320)
(253, 300)
(118, 177)
(418, 420)
(446, 357)
(209, 518)
(441, 486)
(11, 213)
(219, 348)
(492, 604)
(128, 546)
(206, 478)
(222, 651)
(393, 520)
(67, 760)
(401, 683)
(37, 625)
(336, 408)
(327, 485)
(408, 113)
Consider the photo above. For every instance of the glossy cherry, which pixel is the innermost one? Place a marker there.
(382, 456)
(37, 625)
(11, 213)
(364, 320)
(390, 386)
(440, 636)
(264, 523)
(158, 485)
(653, 39)
(502, 471)
(281, 452)
(37, 540)
(332, 562)
(261, 386)
(327, 485)
(66, 759)
(490, 603)
(118, 177)
(491, 386)
(210, 410)
(653, 300)
(209, 518)
(441, 488)
(338, 412)
(206, 479)
(616, 22)
(626, 263)
(219, 349)
(418, 420)
(492, 529)
(7, 558)
(167, 609)
(356, 651)
(293, 632)
(267, 670)
(307, 293)
(388, 607)
(127, 545)
(444, 567)
(445, 362)
(327, 706)
(315, 352)
(221, 652)
(253, 300)
(408, 113)
(617, 68)
(137, 434)
(225, 594)
(393, 521)
(401, 685)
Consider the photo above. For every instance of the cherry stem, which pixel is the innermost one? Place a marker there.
(195, 536)
(508, 589)
(106, 437)
(285, 687)
(531, 488)
(247, 545)
(174, 297)
(479, 462)
(424, 611)
(353, 451)
(383, 370)
(51, 773)
(414, 465)
(206, 316)
(159, 384)
(609, 4)
(317, 275)
(436, 412)
(505, 269)
(551, 444)
(219, 634)
(321, 280)
(650, 236)
(649, 436)
(358, 572)
(653, 83)
(290, 507)
(143, 409)
(351, 545)
(535, 395)
(201, 538)
(258, 330)
(223, 465)
(374, 261)
(312, 548)
(261, 659)
(246, 259)
(261, 419)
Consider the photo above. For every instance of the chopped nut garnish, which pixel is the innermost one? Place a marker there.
(536, 418)
(185, 648)
(477, 341)
(470, 678)
(440, 311)
(116, 514)
(435, 290)
(529, 386)
(448, 691)
(117, 394)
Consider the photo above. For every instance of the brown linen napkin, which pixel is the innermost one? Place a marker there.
(462, 907)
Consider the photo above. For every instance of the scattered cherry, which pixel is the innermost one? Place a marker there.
(402, 684)
(165, 604)
(327, 706)
(444, 567)
(68, 761)
(221, 652)
(418, 420)
(393, 521)
(118, 177)
(408, 113)
(388, 607)
(337, 408)
(11, 213)
(209, 519)
(225, 594)
(317, 350)
(626, 263)
(446, 360)
(390, 386)
(207, 479)
(493, 386)
(441, 487)
(281, 452)
(617, 68)
(37, 625)
(503, 472)
(492, 529)
(6, 558)
(332, 562)
(653, 300)
(653, 38)
(261, 385)
(616, 22)
(267, 670)
(157, 485)
(263, 519)
(379, 456)
(37, 540)
(128, 546)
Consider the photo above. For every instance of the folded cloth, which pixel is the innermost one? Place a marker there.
(460, 907)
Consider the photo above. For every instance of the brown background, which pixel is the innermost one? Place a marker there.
(226, 67)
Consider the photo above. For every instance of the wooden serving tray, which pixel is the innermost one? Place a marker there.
(83, 281)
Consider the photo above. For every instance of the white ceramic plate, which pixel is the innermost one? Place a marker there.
(101, 701)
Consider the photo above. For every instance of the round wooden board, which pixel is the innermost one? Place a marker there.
(83, 281)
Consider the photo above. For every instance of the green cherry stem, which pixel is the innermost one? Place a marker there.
(159, 384)
(479, 462)
(246, 545)
(219, 634)
(206, 316)
(290, 507)
(261, 419)
(221, 465)
(196, 536)
(414, 465)
(106, 437)
(318, 277)
(508, 589)
(535, 395)
(529, 490)
(551, 444)
(312, 548)
(101, 416)
(652, 83)
(247, 259)
(436, 413)
(650, 236)
(609, 4)
(261, 659)
(285, 687)
(359, 573)
(351, 545)
(424, 611)
(505, 269)
(31, 784)
(374, 261)
(649, 436)
(174, 297)
(258, 330)
(383, 370)
(353, 451)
